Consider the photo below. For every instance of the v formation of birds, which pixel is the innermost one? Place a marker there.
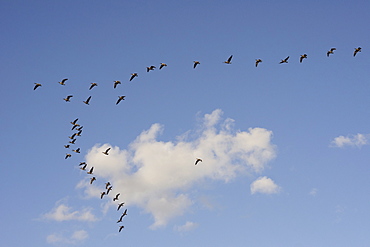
(77, 127)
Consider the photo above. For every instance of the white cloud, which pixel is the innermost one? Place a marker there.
(157, 175)
(313, 192)
(264, 185)
(353, 140)
(75, 238)
(188, 226)
(62, 212)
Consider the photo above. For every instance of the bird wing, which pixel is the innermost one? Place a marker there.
(229, 60)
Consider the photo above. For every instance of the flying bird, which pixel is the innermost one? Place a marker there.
(162, 65)
(109, 189)
(284, 60)
(150, 68)
(228, 61)
(196, 63)
(91, 171)
(106, 151)
(116, 83)
(75, 122)
(120, 98)
(198, 160)
(120, 228)
(73, 141)
(116, 197)
(67, 156)
(37, 85)
(76, 150)
(72, 136)
(356, 51)
(88, 100)
(92, 180)
(67, 99)
(78, 133)
(302, 57)
(120, 205)
(82, 163)
(133, 75)
(63, 82)
(83, 167)
(330, 52)
(93, 84)
(66, 146)
(102, 194)
(258, 61)
(123, 215)
(80, 128)
(107, 185)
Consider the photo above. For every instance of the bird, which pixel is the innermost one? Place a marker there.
(106, 151)
(196, 63)
(123, 215)
(120, 228)
(284, 60)
(133, 75)
(67, 156)
(102, 194)
(73, 141)
(162, 65)
(93, 84)
(302, 57)
(356, 50)
(91, 171)
(37, 85)
(75, 122)
(66, 146)
(72, 136)
(116, 197)
(109, 189)
(120, 98)
(82, 163)
(63, 82)
(76, 150)
(150, 68)
(84, 167)
(228, 61)
(120, 205)
(88, 100)
(78, 133)
(330, 52)
(116, 83)
(107, 185)
(258, 61)
(198, 160)
(92, 180)
(67, 99)
(80, 128)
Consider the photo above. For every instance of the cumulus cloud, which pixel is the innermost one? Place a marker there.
(75, 238)
(264, 185)
(157, 176)
(357, 140)
(62, 212)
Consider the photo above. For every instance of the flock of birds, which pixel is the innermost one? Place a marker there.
(78, 128)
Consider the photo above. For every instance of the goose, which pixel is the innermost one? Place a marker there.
(107, 185)
(84, 167)
(116, 83)
(284, 60)
(330, 52)
(67, 156)
(72, 136)
(123, 215)
(356, 51)
(66, 146)
(91, 171)
(198, 160)
(76, 150)
(120, 98)
(75, 122)
(67, 99)
(92, 180)
(116, 197)
(63, 82)
(228, 61)
(82, 163)
(102, 194)
(106, 151)
(162, 65)
(150, 68)
(133, 75)
(78, 133)
(79, 128)
(302, 57)
(120, 228)
(120, 205)
(196, 63)
(93, 84)
(258, 61)
(73, 141)
(88, 100)
(37, 85)
(109, 189)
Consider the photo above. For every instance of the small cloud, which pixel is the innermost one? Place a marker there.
(63, 212)
(264, 185)
(188, 226)
(352, 140)
(313, 192)
(75, 238)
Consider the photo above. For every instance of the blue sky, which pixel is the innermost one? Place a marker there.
(284, 146)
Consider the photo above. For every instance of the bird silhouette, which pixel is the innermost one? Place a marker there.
(37, 85)
(72, 136)
(198, 160)
(123, 215)
(162, 65)
(63, 82)
(106, 151)
(330, 52)
(91, 171)
(133, 75)
(66, 146)
(78, 133)
(67, 156)
(228, 61)
(116, 83)
(150, 68)
(67, 99)
(358, 49)
(82, 163)
(258, 61)
(120, 205)
(93, 84)
(102, 194)
(120, 228)
(88, 100)
(73, 141)
(120, 98)
(92, 180)
(116, 197)
(75, 122)
(76, 150)
(196, 63)
(107, 185)
(83, 167)
(302, 57)
(109, 189)
(284, 60)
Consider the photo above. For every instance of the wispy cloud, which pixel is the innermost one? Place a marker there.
(157, 175)
(264, 185)
(62, 212)
(357, 140)
(313, 192)
(188, 226)
(75, 238)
